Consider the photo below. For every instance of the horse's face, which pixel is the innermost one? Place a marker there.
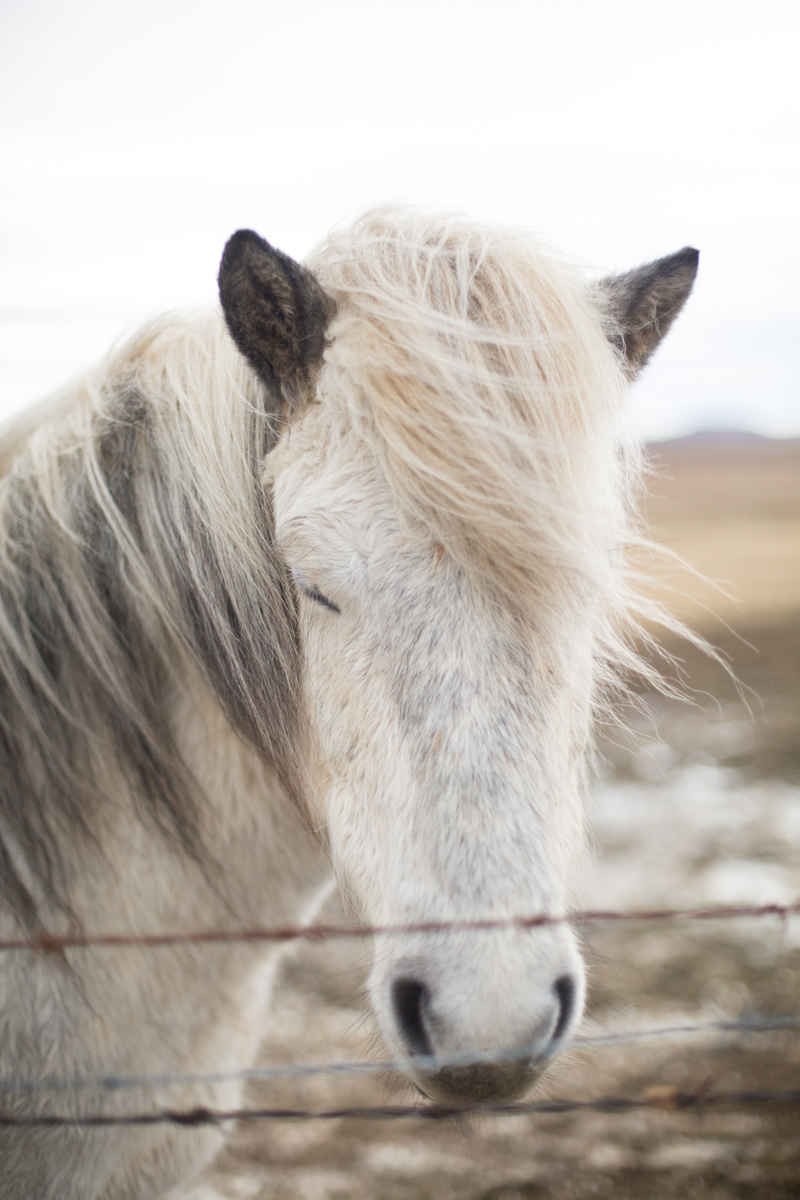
(449, 735)
(448, 728)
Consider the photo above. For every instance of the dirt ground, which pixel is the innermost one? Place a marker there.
(698, 805)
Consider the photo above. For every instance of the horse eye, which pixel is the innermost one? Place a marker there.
(318, 598)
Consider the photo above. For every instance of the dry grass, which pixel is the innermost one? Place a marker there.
(729, 505)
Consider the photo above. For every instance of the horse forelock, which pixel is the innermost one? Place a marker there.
(474, 363)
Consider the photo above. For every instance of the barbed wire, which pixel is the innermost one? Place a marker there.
(57, 942)
(753, 1024)
(665, 1099)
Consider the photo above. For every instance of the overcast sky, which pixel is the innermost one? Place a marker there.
(135, 139)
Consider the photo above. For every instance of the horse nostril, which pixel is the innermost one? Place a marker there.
(564, 989)
(410, 998)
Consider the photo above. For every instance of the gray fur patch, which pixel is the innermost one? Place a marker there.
(85, 667)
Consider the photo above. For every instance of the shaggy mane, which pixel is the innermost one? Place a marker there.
(480, 368)
(134, 535)
(474, 363)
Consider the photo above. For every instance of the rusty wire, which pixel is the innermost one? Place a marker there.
(665, 1099)
(57, 942)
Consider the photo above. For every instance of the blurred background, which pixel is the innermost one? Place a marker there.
(135, 138)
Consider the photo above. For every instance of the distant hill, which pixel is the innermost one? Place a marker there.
(718, 442)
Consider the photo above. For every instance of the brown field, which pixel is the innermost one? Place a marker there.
(699, 805)
(729, 505)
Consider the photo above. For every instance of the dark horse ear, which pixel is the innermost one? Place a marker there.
(275, 309)
(644, 302)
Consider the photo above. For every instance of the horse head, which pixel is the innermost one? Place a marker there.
(449, 486)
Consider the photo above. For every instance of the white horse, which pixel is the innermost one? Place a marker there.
(329, 583)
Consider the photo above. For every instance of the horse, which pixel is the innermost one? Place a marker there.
(326, 582)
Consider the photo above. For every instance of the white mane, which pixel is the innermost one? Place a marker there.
(479, 367)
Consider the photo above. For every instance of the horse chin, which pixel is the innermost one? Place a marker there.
(480, 1083)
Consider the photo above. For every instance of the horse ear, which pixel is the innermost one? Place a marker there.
(275, 309)
(644, 302)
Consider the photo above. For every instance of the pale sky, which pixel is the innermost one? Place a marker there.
(135, 139)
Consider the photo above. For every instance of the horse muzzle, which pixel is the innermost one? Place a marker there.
(485, 1037)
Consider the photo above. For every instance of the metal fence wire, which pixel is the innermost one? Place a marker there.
(56, 942)
(664, 1098)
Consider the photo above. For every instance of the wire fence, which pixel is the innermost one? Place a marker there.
(58, 942)
(751, 1025)
(665, 1098)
